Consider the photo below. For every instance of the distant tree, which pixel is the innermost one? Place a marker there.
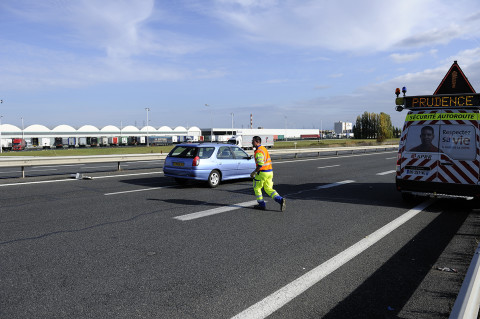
(384, 128)
(372, 125)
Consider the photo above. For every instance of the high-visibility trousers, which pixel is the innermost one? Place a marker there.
(264, 180)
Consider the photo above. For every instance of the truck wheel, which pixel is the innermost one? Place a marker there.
(214, 178)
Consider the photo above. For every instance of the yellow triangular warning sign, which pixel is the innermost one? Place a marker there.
(454, 82)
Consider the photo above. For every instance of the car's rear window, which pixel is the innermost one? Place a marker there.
(205, 152)
(184, 152)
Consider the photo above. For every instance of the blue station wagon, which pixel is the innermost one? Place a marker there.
(210, 162)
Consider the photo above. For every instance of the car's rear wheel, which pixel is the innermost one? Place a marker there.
(214, 178)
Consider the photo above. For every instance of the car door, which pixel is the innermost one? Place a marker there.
(226, 162)
(246, 163)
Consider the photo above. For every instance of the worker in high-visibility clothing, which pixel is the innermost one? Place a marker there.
(263, 176)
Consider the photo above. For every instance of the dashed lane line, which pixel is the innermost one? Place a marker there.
(387, 172)
(215, 211)
(334, 184)
(229, 208)
(328, 166)
(284, 295)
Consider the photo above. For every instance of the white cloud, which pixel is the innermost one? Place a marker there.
(372, 25)
(403, 58)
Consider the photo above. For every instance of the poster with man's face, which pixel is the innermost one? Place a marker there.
(423, 138)
(458, 141)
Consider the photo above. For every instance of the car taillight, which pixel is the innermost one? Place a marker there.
(196, 161)
(399, 161)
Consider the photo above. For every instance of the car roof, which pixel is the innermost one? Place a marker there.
(204, 144)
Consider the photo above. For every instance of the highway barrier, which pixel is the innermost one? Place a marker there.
(29, 161)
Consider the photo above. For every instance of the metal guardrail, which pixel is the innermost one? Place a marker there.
(468, 300)
(336, 150)
(29, 161)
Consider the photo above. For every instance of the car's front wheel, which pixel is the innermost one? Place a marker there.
(214, 178)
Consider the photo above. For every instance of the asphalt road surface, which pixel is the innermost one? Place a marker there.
(134, 244)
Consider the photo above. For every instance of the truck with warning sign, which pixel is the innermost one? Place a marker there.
(439, 151)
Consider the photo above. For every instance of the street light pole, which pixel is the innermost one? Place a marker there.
(23, 128)
(232, 121)
(211, 123)
(147, 109)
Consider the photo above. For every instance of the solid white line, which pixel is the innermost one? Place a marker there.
(334, 184)
(123, 175)
(387, 172)
(214, 211)
(328, 166)
(284, 295)
(70, 179)
(389, 158)
(39, 182)
(137, 190)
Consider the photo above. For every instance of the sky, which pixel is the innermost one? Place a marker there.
(290, 63)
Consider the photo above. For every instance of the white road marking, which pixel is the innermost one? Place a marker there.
(214, 211)
(123, 175)
(328, 166)
(334, 184)
(39, 182)
(284, 295)
(228, 208)
(73, 179)
(389, 158)
(137, 190)
(387, 172)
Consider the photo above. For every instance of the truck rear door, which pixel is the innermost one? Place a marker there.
(440, 146)
(419, 153)
(458, 138)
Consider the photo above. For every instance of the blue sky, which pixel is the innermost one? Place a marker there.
(294, 64)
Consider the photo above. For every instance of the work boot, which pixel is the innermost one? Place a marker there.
(283, 205)
(261, 205)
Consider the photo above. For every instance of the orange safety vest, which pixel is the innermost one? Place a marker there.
(266, 165)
